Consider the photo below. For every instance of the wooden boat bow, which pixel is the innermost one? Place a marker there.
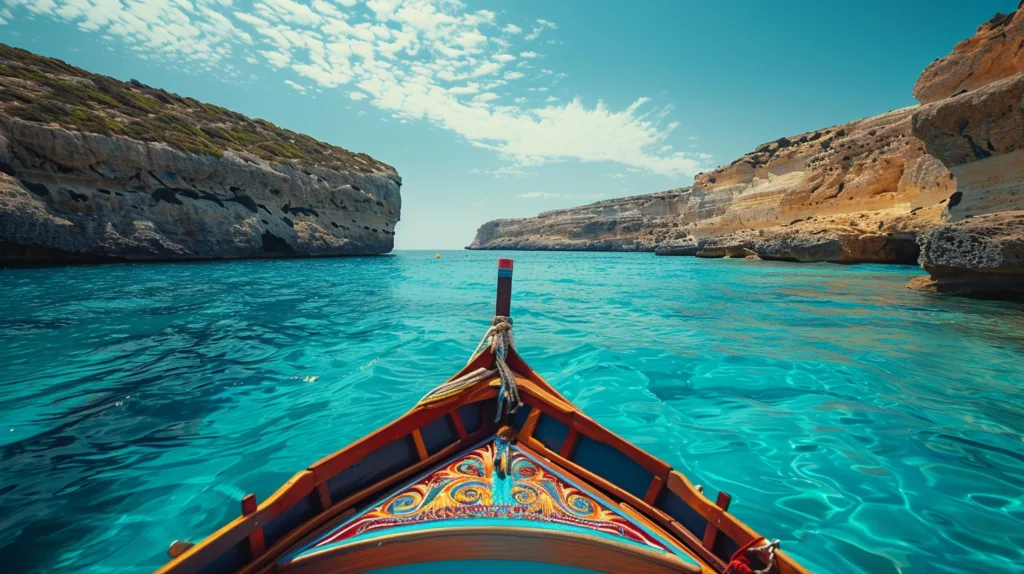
(494, 464)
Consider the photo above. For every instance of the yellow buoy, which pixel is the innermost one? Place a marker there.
(437, 256)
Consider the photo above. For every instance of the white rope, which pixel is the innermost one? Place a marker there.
(770, 547)
(500, 341)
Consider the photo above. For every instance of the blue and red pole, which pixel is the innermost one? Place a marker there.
(503, 305)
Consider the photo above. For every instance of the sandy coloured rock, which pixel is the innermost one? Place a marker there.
(101, 170)
(856, 192)
(979, 136)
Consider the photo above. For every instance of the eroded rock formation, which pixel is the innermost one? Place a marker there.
(973, 121)
(856, 192)
(941, 184)
(100, 170)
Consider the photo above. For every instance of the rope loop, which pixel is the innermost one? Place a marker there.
(740, 563)
(500, 341)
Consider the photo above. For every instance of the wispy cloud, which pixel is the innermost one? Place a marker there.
(540, 27)
(433, 61)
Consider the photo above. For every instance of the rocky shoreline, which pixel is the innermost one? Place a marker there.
(97, 170)
(940, 185)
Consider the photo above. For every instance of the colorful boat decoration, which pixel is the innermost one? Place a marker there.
(493, 465)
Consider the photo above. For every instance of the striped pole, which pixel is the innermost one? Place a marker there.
(504, 304)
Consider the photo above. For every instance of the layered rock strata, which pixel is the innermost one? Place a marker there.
(973, 121)
(867, 185)
(94, 169)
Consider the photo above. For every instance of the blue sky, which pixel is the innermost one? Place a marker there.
(505, 109)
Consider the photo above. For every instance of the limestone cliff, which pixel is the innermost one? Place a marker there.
(856, 192)
(100, 170)
(973, 121)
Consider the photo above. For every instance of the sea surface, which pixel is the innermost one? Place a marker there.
(870, 427)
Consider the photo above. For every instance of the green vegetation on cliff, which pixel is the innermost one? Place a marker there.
(48, 91)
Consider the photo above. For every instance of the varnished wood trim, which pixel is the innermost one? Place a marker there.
(490, 543)
(459, 427)
(323, 492)
(535, 391)
(589, 427)
(711, 531)
(720, 519)
(530, 425)
(344, 506)
(256, 541)
(694, 544)
(239, 529)
(328, 520)
(421, 448)
(618, 495)
(329, 466)
(654, 490)
(568, 444)
(661, 531)
(586, 475)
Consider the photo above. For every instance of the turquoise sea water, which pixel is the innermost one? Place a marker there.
(872, 428)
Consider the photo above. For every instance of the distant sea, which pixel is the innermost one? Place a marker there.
(870, 427)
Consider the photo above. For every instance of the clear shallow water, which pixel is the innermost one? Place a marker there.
(872, 428)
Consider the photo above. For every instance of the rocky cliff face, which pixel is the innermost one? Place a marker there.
(857, 192)
(629, 224)
(973, 121)
(941, 184)
(99, 170)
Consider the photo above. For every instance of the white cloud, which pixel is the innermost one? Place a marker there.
(287, 11)
(277, 59)
(551, 99)
(487, 68)
(693, 137)
(470, 88)
(412, 59)
(541, 26)
(298, 87)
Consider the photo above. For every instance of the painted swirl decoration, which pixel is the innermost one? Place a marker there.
(470, 488)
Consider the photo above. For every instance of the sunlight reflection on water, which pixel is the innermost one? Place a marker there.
(870, 427)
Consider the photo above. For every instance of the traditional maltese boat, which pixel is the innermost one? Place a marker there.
(493, 466)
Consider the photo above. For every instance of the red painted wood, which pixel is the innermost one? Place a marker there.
(503, 306)
(257, 544)
(711, 532)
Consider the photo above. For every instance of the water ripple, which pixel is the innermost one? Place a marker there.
(872, 428)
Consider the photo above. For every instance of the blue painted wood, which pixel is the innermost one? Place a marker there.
(551, 432)
(292, 518)
(472, 416)
(724, 547)
(683, 513)
(439, 434)
(378, 465)
(230, 561)
(519, 417)
(612, 465)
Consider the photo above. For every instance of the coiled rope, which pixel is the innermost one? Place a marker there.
(740, 564)
(500, 341)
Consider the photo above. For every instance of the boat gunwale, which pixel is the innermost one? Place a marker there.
(544, 400)
(599, 552)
